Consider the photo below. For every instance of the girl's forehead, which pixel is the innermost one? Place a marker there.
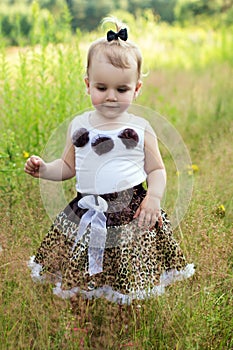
(108, 74)
(100, 60)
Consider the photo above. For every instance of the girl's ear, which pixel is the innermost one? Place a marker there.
(87, 85)
(138, 88)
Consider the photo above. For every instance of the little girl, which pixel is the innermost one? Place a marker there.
(113, 240)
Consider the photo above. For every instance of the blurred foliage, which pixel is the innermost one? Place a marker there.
(218, 11)
(19, 25)
(26, 22)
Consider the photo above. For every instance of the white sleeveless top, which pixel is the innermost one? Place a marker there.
(108, 161)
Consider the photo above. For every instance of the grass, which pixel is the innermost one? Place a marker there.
(42, 87)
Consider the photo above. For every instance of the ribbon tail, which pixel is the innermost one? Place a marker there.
(95, 259)
(96, 218)
(83, 224)
(97, 244)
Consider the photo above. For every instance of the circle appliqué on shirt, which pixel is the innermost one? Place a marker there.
(129, 137)
(102, 144)
(80, 137)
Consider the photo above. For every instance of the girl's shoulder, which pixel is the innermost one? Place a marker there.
(79, 121)
(139, 121)
(143, 125)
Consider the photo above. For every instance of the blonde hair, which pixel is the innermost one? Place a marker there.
(117, 51)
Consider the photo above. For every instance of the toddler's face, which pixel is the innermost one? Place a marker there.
(112, 89)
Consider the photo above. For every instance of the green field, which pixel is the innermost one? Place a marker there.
(189, 81)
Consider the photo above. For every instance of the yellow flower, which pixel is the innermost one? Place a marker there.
(221, 210)
(192, 169)
(195, 168)
(25, 154)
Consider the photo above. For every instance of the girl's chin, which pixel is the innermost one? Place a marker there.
(111, 112)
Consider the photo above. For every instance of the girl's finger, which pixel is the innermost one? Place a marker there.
(35, 161)
(154, 219)
(160, 221)
(137, 213)
(29, 166)
(148, 220)
(141, 217)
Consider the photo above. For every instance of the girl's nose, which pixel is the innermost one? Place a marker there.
(111, 96)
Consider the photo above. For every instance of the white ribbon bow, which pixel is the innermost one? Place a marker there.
(95, 217)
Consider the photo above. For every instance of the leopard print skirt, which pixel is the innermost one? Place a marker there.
(137, 262)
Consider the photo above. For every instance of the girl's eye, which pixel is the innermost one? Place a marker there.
(101, 88)
(122, 90)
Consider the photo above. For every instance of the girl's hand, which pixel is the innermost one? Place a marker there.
(34, 166)
(149, 212)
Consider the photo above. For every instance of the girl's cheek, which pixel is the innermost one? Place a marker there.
(95, 99)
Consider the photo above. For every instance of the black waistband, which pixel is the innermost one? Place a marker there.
(121, 205)
(114, 195)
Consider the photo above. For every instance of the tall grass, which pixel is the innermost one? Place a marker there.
(41, 87)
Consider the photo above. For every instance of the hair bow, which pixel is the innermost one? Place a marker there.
(122, 34)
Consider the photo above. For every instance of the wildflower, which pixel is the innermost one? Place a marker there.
(194, 168)
(25, 154)
(220, 211)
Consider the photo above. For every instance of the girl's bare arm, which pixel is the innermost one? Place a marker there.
(57, 170)
(149, 211)
(154, 166)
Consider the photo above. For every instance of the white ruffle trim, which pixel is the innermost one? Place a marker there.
(36, 273)
(35, 270)
(108, 293)
(173, 275)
